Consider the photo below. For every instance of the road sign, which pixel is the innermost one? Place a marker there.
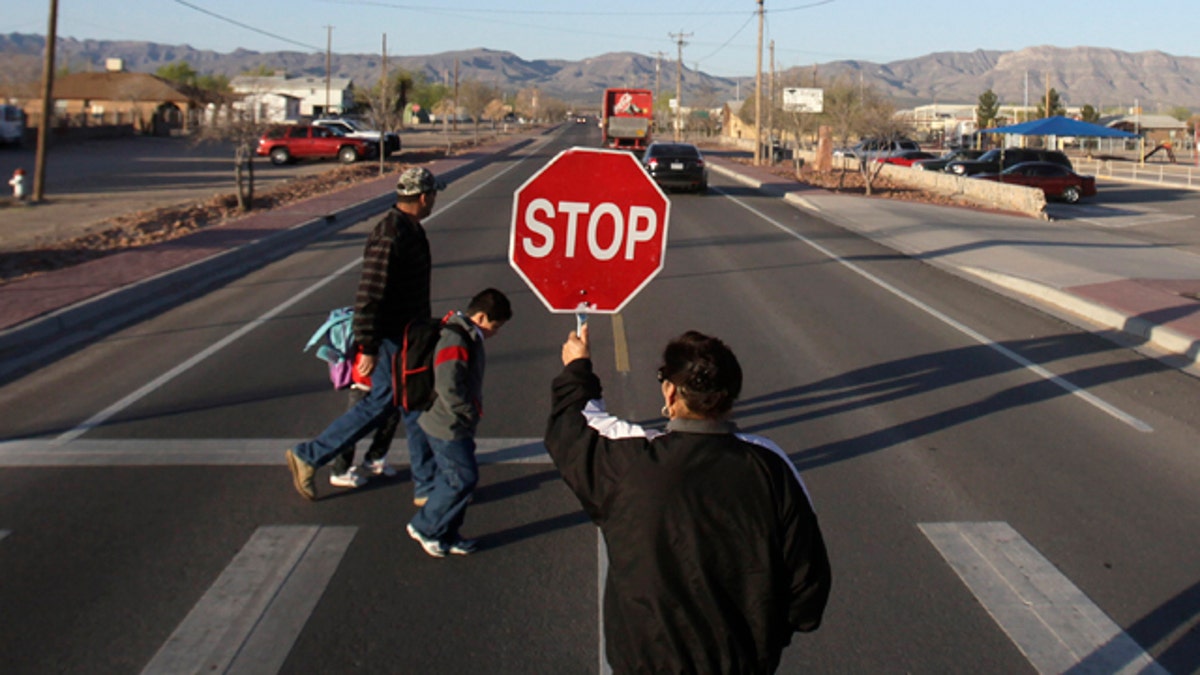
(589, 231)
(800, 99)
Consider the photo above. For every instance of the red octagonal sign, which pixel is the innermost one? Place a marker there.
(589, 230)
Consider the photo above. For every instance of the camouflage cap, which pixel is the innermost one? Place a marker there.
(417, 180)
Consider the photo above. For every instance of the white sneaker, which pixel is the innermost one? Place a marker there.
(379, 467)
(350, 479)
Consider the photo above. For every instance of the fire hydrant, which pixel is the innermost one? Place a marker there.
(20, 189)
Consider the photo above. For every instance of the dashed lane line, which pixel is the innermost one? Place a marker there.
(250, 617)
(1052, 622)
(223, 452)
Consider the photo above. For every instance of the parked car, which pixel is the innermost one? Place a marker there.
(875, 148)
(303, 141)
(906, 158)
(676, 165)
(1056, 180)
(939, 163)
(999, 159)
(355, 129)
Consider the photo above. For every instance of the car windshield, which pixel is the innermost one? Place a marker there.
(990, 155)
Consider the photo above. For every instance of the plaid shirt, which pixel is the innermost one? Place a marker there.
(394, 288)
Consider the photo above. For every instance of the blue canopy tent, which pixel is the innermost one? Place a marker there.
(1060, 126)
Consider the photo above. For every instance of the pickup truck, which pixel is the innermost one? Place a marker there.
(354, 129)
(302, 141)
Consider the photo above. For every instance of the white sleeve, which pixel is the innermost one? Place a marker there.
(612, 427)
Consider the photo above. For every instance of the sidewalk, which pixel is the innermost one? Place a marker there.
(1100, 280)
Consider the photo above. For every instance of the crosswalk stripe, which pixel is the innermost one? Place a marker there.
(1052, 622)
(223, 452)
(250, 617)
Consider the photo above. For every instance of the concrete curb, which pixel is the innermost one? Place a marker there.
(1162, 338)
(26, 347)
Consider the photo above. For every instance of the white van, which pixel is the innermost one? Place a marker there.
(12, 124)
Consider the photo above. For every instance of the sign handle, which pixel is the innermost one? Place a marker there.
(580, 322)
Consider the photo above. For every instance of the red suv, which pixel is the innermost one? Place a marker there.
(303, 141)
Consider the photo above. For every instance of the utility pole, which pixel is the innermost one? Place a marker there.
(758, 91)
(1047, 95)
(679, 43)
(455, 113)
(658, 57)
(39, 169)
(771, 106)
(328, 64)
(384, 117)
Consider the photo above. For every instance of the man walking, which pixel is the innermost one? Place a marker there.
(393, 290)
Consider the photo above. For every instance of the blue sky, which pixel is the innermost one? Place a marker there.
(720, 35)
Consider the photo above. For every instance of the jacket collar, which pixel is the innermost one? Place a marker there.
(691, 426)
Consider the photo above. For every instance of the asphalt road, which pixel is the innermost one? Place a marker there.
(957, 446)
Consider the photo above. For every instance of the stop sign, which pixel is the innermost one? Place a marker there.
(589, 230)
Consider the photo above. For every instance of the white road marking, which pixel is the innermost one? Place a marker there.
(224, 452)
(4, 533)
(1049, 619)
(1025, 363)
(248, 620)
(602, 559)
(106, 414)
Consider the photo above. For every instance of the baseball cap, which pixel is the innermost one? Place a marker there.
(417, 180)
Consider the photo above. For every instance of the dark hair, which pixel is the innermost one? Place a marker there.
(706, 372)
(492, 303)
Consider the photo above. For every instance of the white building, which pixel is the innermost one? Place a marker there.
(316, 97)
(269, 107)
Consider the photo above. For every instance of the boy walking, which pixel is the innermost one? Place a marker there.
(451, 422)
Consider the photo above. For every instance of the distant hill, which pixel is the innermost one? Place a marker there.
(1101, 77)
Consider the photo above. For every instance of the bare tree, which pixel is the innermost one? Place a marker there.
(241, 120)
(383, 110)
(474, 97)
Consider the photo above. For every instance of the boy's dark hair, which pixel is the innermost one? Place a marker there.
(706, 372)
(492, 303)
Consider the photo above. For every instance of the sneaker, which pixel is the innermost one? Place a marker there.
(463, 547)
(420, 501)
(432, 546)
(350, 479)
(379, 467)
(303, 475)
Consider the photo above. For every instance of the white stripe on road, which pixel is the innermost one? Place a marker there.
(150, 387)
(4, 533)
(1050, 620)
(602, 559)
(249, 619)
(1069, 387)
(225, 452)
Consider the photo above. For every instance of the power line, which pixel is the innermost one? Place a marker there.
(248, 27)
(553, 12)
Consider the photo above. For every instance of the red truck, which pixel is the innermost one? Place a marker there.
(626, 118)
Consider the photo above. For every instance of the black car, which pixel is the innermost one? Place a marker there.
(999, 159)
(676, 165)
(939, 164)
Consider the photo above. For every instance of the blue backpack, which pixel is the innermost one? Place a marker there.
(334, 341)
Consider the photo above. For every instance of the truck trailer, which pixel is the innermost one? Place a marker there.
(627, 118)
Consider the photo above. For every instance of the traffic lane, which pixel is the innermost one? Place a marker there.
(877, 387)
(95, 560)
(1159, 215)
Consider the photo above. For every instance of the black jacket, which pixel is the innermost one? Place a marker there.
(715, 555)
(394, 287)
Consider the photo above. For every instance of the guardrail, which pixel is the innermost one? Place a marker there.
(1173, 175)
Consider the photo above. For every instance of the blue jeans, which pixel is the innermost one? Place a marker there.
(420, 455)
(457, 475)
(358, 421)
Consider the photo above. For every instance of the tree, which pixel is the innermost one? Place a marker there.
(1181, 113)
(988, 110)
(1089, 114)
(1056, 105)
(474, 97)
(179, 72)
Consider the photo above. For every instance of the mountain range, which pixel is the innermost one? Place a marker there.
(1105, 78)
